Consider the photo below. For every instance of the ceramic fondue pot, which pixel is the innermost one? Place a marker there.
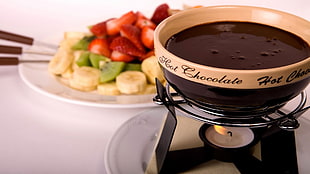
(226, 87)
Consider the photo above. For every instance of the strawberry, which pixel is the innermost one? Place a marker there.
(99, 46)
(147, 37)
(121, 57)
(99, 29)
(147, 55)
(114, 25)
(143, 21)
(124, 45)
(160, 13)
(132, 33)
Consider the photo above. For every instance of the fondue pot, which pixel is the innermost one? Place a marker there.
(227, 91)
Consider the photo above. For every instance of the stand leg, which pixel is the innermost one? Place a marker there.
(279, 152)
(183, 160)
(248, 164)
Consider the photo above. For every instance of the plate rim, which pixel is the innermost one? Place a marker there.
(34, 87)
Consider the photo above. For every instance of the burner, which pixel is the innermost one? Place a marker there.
(272, 133)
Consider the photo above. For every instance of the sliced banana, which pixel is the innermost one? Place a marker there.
(76, 85)
(61, 61)
(85, 78)
(76, 55)
(149, 89)
(74, 35)
(71, 38)
(68, 73)
(152, 70)
(131, 82)
(108, 89)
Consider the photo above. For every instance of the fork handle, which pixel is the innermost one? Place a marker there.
(10, 49)
(9, 60)
(16, 37)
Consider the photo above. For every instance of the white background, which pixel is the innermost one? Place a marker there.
(42, 135)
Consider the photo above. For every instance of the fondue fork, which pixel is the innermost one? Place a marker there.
(23, 39)
(16, 61)
(8, 60)
(19, 50)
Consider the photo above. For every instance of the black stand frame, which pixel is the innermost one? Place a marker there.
(278, 149)
(278, 155)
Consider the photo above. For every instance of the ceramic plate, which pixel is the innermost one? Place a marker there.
(36, 76)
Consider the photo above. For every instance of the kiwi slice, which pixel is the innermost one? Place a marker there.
(110, 70)
(132, 67)
(83, 60)
(96, 58)
(83, 43)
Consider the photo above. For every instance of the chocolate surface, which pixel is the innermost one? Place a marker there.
(238, 45)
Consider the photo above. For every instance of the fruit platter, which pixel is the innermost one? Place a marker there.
(111, 64)
(116, 56)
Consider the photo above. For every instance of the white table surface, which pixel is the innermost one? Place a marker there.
(39, 134)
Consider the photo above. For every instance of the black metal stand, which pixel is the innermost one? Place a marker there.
(279, 153)
(278, 150)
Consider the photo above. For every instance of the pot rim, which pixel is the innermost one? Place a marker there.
(232, 78)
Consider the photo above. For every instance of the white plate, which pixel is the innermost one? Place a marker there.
(36, 76)
(130, 148)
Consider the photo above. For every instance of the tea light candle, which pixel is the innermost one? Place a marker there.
(232, 137)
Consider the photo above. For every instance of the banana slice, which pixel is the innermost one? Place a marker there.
(76, 56)
(76, 85)
(131, 82)
(108, 89)
(149, 89)
(71, 38)
(85, 78)
(68, 73)
(152, 70)
(61, 61)
(77, 35)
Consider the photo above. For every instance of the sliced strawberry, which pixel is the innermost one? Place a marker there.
(147, 55)
(99, 29)
(124, 45)
(99, 46)
(121, 57)
(132, 33)
(160, 13)
(111, 38)
(114, 25)
(147, 37)
(143, 21)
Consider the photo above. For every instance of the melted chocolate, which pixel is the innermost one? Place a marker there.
(238, 45)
